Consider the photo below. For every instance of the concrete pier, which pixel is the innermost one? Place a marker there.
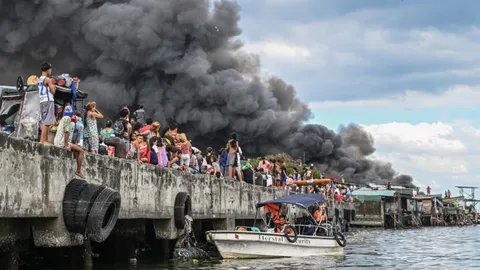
(33, 179)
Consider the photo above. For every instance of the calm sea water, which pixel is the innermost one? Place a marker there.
(426, 248)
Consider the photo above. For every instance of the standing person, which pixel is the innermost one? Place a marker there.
(264, 164)
(61, 140)
(309, 173)
(232, 159)
(140, 115)
(122, 130)
(125, 106)
(283, 173)
(46, 90)
(224, 162)
(186, 149)
(428, 190)
(91, 115)
(296, 175)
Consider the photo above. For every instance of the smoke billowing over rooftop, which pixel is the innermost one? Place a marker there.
(183, 61)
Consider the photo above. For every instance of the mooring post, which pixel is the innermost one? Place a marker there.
(87, 254)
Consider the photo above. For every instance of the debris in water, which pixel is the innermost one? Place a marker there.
(186, 246)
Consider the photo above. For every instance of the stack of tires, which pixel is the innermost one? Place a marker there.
(90, 209)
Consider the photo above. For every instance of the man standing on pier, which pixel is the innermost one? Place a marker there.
(46, 90)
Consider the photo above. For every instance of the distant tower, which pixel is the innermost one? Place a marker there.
(468, 196)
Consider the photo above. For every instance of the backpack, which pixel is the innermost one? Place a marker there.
(118, 128)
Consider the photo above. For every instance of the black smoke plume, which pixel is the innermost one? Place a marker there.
(183, 61)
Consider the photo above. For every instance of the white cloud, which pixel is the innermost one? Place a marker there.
(424, 137)
(461, 96)
(441, 155)
(360, 51)
(284, 2)
(279, 50)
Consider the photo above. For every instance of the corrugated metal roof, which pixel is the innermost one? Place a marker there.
(382, 193)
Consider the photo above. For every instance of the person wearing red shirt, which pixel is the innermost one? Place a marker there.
(149, 123)
(428, 190)
(338, 198)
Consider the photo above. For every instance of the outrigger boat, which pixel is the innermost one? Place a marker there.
(302, 237)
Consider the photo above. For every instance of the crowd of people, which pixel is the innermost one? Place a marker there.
(135, 136)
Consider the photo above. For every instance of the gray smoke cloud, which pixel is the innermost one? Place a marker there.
(183, 61)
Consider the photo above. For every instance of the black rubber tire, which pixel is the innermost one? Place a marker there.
(340, 238)
(71, 196)
(103, 215)
(289, 236)
(20, 85)
(87, 197)
(183, 207)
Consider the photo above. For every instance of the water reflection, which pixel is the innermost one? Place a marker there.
(426, 248)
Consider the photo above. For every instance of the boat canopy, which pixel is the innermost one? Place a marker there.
(302, 200)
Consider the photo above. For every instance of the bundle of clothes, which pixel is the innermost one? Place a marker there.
(63, 80)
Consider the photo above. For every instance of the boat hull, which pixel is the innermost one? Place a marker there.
(252, 245)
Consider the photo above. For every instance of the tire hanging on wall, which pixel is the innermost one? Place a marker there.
(87, 197)
(71, 197)
(103, 215)
(183, 207)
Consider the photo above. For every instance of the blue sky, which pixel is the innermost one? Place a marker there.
(408, 71)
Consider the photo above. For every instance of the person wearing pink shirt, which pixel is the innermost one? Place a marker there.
(263, 164)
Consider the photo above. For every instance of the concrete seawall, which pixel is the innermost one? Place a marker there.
(33, 179)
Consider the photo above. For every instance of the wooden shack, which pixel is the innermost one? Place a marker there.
(382, 207)
(428, 210)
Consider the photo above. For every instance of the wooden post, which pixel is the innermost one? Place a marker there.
(87, 255)
(382, 211)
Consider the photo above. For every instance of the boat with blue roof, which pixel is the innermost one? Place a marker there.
(293, 226)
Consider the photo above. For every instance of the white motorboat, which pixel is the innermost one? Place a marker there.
(281, 239)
